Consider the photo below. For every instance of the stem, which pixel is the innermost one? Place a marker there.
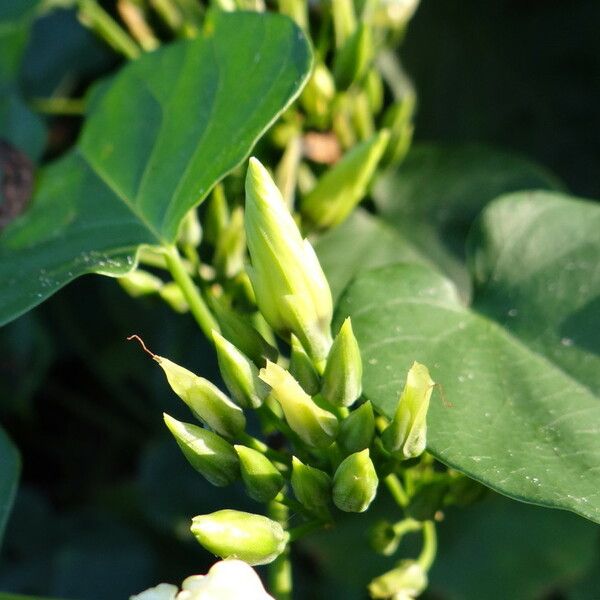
(280, 570)
(197, 305)
(261, 447)
(429, 550)
(297, 532)
(59, 106)
(96, 18)
(407, 526)
(291, 503)
(396, 490)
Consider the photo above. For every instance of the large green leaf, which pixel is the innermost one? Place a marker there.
(9, 475)
(523, 416)
(169, 126)
(435, 195)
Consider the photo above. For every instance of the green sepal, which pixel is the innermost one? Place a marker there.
(357, 429)
(302, 368)
(239, 374)
(354, 58)
(342, 380)
(312, 488)
(255, 539)
(341, 188)
(262, 479)
(207, 452)
(355, 483)
(206, 401)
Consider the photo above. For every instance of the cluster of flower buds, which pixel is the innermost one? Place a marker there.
(335, 453)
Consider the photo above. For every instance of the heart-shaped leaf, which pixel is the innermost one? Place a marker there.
(521, 411)
(169, 126)
(10, 467)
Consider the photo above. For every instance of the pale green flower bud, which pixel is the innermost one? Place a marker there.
(242, 333)
(255, 539)
(398, 120)
(217, 214)
(230, 248)
(406, 435)
(354, 58)
(355, 483)
(262, 479)
(190, 230)
(312, 488)
(302, 369)
(207, 452)
(344, 20)
(314, 425)
(394, 14)
(341, 188)
(291, 290)
(318, 94)
(357, 429)
(239, 374)
(405, 582)
(375, 90)
(140, 283)
(205, 400)
(342, 380)
(163, 591)
(171, 293)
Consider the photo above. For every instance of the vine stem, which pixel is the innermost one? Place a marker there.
(429, 550)
(191, 292)
(396, 490)
(280, 570)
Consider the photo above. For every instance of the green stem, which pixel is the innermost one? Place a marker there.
(280, 570)
(407, 526)
(96, 18)
(197, 305)
(259, 446)
(297, 532)
(396, 490)
(59, 106)
(291, 503)
(429, 550)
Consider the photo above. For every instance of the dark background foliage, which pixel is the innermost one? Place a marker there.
(105, 496)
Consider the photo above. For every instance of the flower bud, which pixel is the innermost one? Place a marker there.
(242, 334)
(384, 539)
(171, 293)
(354, 58)
(312, 488)
(342, 380)
(230, 248)
(291, 290)
(239, 374)
(205, 400)
(406, 435)
(394, 14)
(318, 94)
(190, 230)
(140, 283)
(255, 539)
(314, 425)
(398, 120)
(207, 452)
(341, 188)
(355, 483)
(357, 429)
(262, 479)
(302, 368)
(405, 582)
(375, 90)
(216, 216)
(163, 591)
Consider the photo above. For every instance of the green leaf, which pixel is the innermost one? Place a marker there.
(10, 466)
(521, 412)
(170, 125)
(433, 198)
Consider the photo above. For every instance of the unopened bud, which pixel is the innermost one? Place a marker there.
(302, 369)
(207, 452)
(384, 539)
(406, 435)
(342, 380)
(205, 400)
(314, 425)
(255, 539)
(171, 293)
(318, 94)
(190, 230)
(357, 429)
(242, 334)
(355, 483)
(262, 479)
(375, 91)
(231, 246)
(405, 582)
(239, 374)
(216, 216)
(312, 488)
(342, 187)
(140, 283)
(291, 290)
(398, 120)
(354, 58)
